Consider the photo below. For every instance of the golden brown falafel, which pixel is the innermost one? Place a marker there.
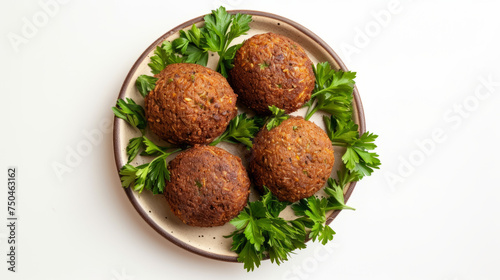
(208, 186)
(190, 104)
(271, 69)
(293, 160)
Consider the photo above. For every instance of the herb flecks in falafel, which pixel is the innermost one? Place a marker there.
(281, 155)
(190, 104)
(266, 60)
(208, 186)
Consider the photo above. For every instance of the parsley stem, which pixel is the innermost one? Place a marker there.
(340, 144)
(342, 207)
(311, 113)
(318, 92)
(219, 139)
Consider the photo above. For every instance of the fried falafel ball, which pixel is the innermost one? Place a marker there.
(208, 186)
(271, 69)
(294, 160)
(191, 104)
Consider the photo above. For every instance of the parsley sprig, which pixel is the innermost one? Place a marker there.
(131, 112)
(145, 84)
(241, 129)
(151, 176)
(193, 45)
(261, 232)
(332, 92)
(357, 156)
(277, 117)
(312, 210)
(222, 28)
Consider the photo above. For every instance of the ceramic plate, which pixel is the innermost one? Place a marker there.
(210, 242)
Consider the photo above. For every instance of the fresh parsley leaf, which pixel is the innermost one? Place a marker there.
(133, 147)
(332, 92)
(335, 189)
(194, 35)
(128, 175)
(160, 57)
(196, 55)
(260, 231)
(240, 26)
(341, 133)
(163, 56)
(272, 204)
(241, 129)
(221, 29)
(151, 176)
(357, 156)
(134, 177)
(130, 112)
(151, 149)
(227, 58)
(277, 117)
(217, 24)
(145, 84)
(158, 175)
(191, 45)
(312, 212)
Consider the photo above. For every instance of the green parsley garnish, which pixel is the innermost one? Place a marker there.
(357, 156)
(193, 45)
(163, 56)
(222, 28)
(151, 176)
(332, 92)
(134, 146)
(277, 117)
(261, 232)
(241, 129)
(130, 112)
(145, 84)
(312, 210)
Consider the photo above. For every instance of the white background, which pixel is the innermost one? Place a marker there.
(431, 212)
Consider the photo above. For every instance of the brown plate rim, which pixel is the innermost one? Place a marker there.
(116, 129)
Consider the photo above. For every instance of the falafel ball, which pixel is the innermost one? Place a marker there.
(191, 104)
(208, 186)
(294, 160)
(271, 69)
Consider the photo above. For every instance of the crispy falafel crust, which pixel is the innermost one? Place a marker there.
(271, 69)
(190, 104)
(293, 160)
(208, 186)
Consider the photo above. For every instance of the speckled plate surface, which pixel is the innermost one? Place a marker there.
(210, 242)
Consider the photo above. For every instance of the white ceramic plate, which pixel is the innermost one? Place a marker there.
(210, 242)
